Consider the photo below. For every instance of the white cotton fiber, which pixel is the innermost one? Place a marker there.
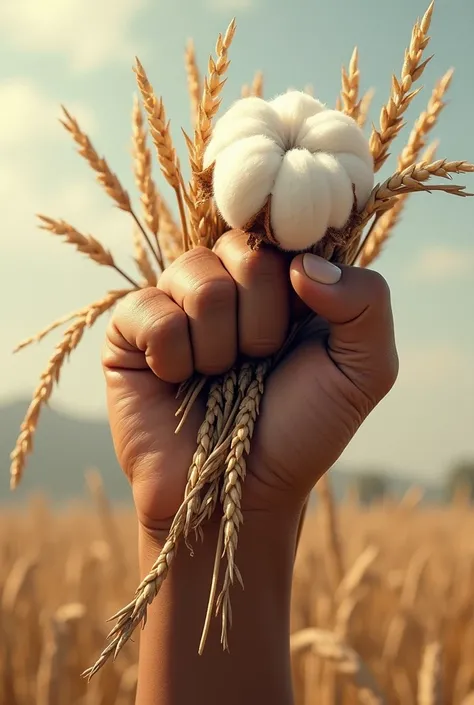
(244, 175)
(309, 159)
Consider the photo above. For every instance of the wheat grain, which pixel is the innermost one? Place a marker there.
(161, 136)
(382, 230)
(194, 81)
(391, 116)
(429, 681)
(105, 176)
(143, 261)
(145, 183)
(350, 102)
(50, 377)
(86, 244)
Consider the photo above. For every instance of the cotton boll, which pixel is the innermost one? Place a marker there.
(301, 201)
(340, 187)
(250, 108)
(336, 136)
(244, 175)
(293, 109)
(234, 130)
(360, 175)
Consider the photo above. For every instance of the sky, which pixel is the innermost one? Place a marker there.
(80, 53)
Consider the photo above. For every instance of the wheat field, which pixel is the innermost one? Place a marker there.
(398, 628)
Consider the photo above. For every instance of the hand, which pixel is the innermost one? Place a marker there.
(211, 307)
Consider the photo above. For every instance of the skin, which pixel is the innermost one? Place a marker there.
(208, 309)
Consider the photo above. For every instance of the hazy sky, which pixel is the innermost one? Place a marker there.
(80, 53)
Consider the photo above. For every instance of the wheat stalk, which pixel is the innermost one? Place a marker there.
(144, 180)
(194, 81)
(208, 108)
(391, 116)
(416, 142)
(350, 102)
(143, 261)
(50, 376)
(161, 136)
(429, 680)
(171, 236)
(86, 244)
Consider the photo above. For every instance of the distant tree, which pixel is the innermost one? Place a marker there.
(371, 487)
(460, 480)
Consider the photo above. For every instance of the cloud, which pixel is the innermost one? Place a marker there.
(90, 33)
(442, 263)
(28, 116)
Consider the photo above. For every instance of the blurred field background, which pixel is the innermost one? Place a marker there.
(383, 607)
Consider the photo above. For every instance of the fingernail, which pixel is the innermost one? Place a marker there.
(320, 270)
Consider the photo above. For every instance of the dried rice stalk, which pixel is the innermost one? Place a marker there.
(350, 87)
(144, 179)
(50, 376)
(194, 81)
(86, 244)
(416, 143)
(391, 116)
(430, 676)
(160, 133)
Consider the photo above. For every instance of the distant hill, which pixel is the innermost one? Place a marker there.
(66, 446)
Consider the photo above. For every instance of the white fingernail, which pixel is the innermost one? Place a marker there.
(320, 270)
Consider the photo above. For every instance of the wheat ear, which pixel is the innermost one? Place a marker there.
(105, 176)
(161, 136)
(350, 102)
(194, 80)
(142, 167)
(383, 228)
(430, 676)
(50, 377)
(171, 236)
(364, 107)
(142, 260)
(391, 116)
(86, 244)
(201, 217)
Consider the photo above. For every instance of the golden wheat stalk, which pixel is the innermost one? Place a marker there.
(391, 116)
(71, 339)
(201, 214)
(144, 178)
(86, 244)
(349, 99)
(416, 142)
(194, 81)
(142, 260)
(161, 136)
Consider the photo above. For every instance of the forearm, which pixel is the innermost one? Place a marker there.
(257, 669)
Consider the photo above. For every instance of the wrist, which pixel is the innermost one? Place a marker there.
(258, 663)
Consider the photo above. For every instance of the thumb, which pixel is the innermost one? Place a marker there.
(356, 305)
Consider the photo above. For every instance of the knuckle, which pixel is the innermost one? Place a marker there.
(379, 288)
(261, 265)
(165, 330)
(212, 295)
